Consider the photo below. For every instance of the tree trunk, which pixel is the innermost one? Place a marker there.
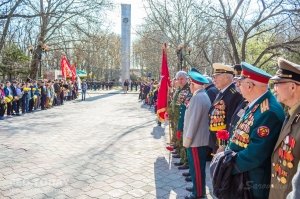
(232, 42)
(6, 26)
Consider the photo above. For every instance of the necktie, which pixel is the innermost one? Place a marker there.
(219, 96)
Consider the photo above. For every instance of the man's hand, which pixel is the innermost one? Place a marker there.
(166, 116)
(221, 149)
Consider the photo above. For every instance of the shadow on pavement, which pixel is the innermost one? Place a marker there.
(158, 132)
(161, 173)
(100, 96)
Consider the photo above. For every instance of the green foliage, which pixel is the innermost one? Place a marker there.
(255, 46)
(14, 62)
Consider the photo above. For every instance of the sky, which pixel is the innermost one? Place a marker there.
(137, 16)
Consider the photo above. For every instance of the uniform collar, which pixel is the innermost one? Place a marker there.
(224, 89)
(257, 99)
(292, 110)
(198, 91)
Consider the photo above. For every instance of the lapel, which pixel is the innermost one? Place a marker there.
(255, 106)
(220, 95)
(286, 129)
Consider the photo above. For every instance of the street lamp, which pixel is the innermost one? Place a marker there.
(182, 51)
(44, 49)
(41, 48)
(179, 57)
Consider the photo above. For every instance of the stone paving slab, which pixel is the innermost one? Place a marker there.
(105, 147)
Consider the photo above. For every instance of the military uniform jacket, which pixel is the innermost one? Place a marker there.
(223, 108)
(195, 120)
(285, 157)
(179, 98)
(182, 109)
(254, 138)
(221, 112)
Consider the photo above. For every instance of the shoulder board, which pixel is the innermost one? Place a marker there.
(297, 118)
(264, 106)
(232, 90)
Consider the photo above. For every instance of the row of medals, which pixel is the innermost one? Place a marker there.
(285, 158)
(218, 116)
(241, 133)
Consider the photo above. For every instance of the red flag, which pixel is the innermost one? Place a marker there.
(65, 67)
(162, 96)
(73, 70)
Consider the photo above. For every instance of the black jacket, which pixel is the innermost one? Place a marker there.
(212, 92)
(225, 184)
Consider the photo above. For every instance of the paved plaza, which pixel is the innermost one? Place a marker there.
(108, 146)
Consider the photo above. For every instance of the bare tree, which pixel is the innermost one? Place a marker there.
(269, 22)
(11, 7)
(54, 17)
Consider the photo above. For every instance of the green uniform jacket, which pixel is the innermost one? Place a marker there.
(254, 138)
(182, 109)
(179, 105)
(285, 157)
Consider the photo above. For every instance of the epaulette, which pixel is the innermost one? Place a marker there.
(264, 106)
(297, 118)
(233, 90)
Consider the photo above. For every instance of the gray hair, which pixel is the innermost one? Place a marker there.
(181, 74)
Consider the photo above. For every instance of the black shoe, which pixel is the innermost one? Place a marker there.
(191, 196)
(178, 164)
(183, 167)
(186, 174)
(176, 156)
(190, 189)
(188, 179)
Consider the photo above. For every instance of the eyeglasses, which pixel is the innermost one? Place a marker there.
(239, 83)
(217, 75)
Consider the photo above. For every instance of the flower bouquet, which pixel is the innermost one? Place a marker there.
(223, 136)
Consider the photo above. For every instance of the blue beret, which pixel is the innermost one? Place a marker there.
(197, 77)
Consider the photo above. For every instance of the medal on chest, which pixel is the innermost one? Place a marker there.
(241, 132)
(217, 118)
(285, 160)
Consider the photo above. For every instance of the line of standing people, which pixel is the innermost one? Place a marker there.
(262, 152)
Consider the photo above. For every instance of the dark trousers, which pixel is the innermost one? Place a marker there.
(62, 98)
(197, 163)
(16, 106)
(31, 105)
(83, 95)
(43, 101)
(24, 102)
(2, 109)
(9, 108)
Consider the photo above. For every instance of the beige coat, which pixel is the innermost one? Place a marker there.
(281, 181)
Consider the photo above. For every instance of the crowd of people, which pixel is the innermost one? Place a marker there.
(235, 120)
(100, 85)
(20, 98)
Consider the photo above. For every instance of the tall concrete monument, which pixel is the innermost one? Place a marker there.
(125, 41)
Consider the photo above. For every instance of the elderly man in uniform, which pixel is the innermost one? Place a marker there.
(286, 154)
(180, 95)
(196, 133)
(257, 131)
(226, 102)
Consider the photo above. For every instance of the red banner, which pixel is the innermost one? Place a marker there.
(65, 68)
(162, 96)
(73, 70)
